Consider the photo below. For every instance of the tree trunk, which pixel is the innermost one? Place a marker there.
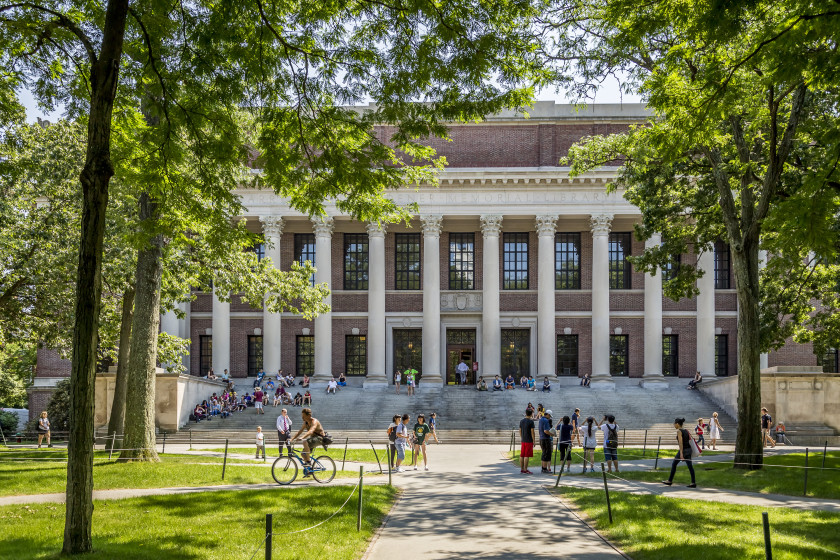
(95, 177)
(139, 443)
(116, 423)
(748, 444)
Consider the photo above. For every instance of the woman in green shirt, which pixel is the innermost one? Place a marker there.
(421, 430)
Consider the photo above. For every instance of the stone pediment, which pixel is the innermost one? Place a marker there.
(460, 301)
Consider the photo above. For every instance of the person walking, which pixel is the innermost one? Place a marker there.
(397, 380)
(284, 430)
(260, 442)
(714, 429)
(610, 429)
(683, 453)
(421, 431)
(589, 431)
(392, 440)
(462, 369)
(526, 436)
(402, 441)
(766, 425)
(409, 380)
(44, 429)
(433, 425)
(564, 443)
(544, 429)
(698, 429)
(576, 426)
(258, 400)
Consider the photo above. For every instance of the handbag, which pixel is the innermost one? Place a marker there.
(695, 449)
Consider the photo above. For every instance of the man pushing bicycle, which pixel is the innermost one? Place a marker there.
(313, 435)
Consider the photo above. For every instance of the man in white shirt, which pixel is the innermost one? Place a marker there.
(462, 369)
(402, 441)
(332, 386)
(284, 430)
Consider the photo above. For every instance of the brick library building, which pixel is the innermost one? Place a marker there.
(510, 265)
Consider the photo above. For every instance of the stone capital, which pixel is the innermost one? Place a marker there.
(546, 225)
(376, 230)
(323, 225)
(491, 225)
(272, 226)
(431, 224)
(600, 223)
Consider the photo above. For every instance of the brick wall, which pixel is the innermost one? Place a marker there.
(793, 353)
(38, 400)
(581, 326)
(50, 364)
(291, 328)
(198, 327)
(342, 328)
(240, 329)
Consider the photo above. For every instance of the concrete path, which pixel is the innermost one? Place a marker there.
(475, 504)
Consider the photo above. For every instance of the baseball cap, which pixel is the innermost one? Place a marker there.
(547, 412)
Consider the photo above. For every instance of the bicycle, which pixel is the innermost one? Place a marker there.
(285, 469)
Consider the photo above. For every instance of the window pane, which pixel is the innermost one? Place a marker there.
(567, 354)
(515, 272)
(408, 350)
(461, 261)
(407, 261)
(567, 261)
(305, 250)
(669, 355)
(722, 355)
(355, 261)
(255, 354)
(516, 350)
(721, 265)
(828, 361)
(305, 355)
(205, 353)
(259, 250)
(355, 355)
(620, 244)
(619, 359)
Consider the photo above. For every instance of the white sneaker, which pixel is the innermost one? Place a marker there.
(427, 468)
(415, 467)
(399, 469)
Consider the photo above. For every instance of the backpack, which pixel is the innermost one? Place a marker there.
(612, 436)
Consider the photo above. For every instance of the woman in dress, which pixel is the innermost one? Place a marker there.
(44, 429)
(714, 429)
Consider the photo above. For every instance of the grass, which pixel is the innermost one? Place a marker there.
(43, 477)
(222, 524)
(769, 480)
(353, 455)
(657, 528)
(624, 454)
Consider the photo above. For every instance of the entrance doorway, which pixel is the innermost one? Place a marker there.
(460, 346)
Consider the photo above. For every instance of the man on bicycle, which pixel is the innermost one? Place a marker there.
(313, 436)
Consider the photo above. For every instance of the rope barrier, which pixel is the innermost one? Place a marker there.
(336, 512)
(259, 546)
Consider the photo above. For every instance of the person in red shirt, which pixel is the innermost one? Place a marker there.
(258, 400)
(698, 430)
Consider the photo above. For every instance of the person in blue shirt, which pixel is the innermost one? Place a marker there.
(544, 430)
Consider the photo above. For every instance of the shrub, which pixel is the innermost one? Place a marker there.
(8, 422)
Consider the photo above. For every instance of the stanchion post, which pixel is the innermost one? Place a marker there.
(389, 466)
(607, 492)
(346, 440)
(658, 444)
(163, 451)
(190, 440)
(624, 437)
(512, 440)
(361, 484)
(268, 524)
(768, 551)
(375, 454)
(554, 456)
(644, 445)
(825, 448)
(557, 482)
(113, 443)
(805, 489)
(3, 436)
(224, 462)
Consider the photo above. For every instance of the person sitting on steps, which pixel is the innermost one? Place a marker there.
(509, 383)
(482, 385)
(497, 384)
(693, 383)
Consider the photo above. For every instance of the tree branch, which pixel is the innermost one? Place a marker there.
(60, 20)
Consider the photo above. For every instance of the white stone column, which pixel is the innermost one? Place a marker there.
(221, 335)
(323, 227)
(652, 376)
(600, 226)
(431, 300)
(491, 334)
(376, 307)
(706, 313)
(272, 231)
(546, 332)
(764, 358)
(186, 331)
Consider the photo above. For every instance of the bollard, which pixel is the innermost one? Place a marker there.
(554, 457)
(268, 524)
(656, 464)
(376, 455)
(390, 468)
(768, 551)
(113, 443)
(805, 490)
(361, 484)
(624, 437)
(164, 444)
(224, 463)
(512, 440)
(825, 448)
(345, 452)
(190, 440)
(644, 445)
(557, 482)
(607, 492)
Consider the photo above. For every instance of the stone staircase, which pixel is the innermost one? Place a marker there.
(469, 416)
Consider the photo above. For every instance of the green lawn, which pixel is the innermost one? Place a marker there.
(355, 455)
(221, 524)
(43, 477)
(769, 480)
(656, 528)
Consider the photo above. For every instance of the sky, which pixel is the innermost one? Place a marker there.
(609, 93)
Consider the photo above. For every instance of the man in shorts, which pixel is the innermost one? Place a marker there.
(576, 426)
(421, 430)
(402, 441)
(526, 436)
(313, 434)
(258, 401)
(766, 424)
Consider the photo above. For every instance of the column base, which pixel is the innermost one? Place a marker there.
(430, 380)
(655, 382)
(602, 383)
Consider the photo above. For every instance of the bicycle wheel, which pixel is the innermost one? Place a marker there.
(323, 469)
(284, 470)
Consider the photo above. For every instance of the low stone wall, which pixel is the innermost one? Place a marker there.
(793, 395)
(175, 397)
